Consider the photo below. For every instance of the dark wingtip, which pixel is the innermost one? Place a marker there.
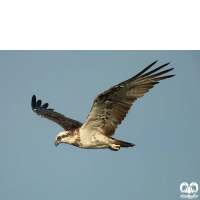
(38, 104)
(155, 62)
(144, 70)
(45, 105)
(35, 105)
(170, 76)
(156, 82)
(33, 102)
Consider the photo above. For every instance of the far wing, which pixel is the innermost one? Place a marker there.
(67, 123)
(110, 107)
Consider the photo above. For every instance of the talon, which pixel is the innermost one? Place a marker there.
(115, 146)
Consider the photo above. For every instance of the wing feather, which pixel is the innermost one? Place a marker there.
(111, 107)
(38, 104)
(45, 105)
(67, 123)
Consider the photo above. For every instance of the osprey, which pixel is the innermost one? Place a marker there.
(108, 111)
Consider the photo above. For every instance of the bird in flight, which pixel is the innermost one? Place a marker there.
(108, 111)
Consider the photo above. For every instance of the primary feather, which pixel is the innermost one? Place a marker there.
(67, 123)
(110, 107)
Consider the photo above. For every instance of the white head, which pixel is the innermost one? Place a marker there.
(62, 137)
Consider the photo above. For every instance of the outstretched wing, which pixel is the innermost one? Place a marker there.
(67, 123)
(110, 107)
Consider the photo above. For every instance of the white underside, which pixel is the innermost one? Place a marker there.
(94, 140)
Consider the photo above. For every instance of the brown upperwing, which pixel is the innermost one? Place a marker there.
(67, 123)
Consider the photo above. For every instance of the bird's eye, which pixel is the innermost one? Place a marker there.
(58, 138)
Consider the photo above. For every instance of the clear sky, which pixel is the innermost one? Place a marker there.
(164, 125)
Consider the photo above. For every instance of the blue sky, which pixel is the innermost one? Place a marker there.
(164, 125)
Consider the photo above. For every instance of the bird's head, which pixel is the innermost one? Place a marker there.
(61, 137)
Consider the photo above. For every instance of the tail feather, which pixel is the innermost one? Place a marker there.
(122, 143)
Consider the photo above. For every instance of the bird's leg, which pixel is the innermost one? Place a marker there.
(114, 147)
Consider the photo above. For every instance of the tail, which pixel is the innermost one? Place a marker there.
(122, 143)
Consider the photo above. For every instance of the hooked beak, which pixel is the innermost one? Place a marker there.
(56, 143)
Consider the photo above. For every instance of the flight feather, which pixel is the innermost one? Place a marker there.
(111, 107)
(67, 123)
